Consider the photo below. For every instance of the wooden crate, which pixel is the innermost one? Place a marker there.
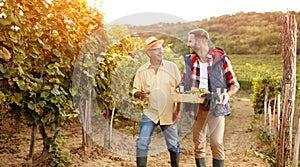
(187, 98)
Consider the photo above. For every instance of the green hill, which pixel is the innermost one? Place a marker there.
(241, 33)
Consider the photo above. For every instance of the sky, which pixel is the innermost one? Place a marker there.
(138, 11)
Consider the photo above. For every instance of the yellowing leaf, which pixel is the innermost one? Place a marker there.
(5, 54)
(2, 97)
(17, 98)
(5, 22)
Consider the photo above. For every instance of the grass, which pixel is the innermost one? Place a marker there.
(244, 74)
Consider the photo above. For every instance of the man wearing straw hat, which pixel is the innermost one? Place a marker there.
(152, 83)
(209, 68)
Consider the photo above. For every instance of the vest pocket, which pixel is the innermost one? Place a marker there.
(221, 110)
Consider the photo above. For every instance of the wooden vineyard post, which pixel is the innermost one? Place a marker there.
(296, 145)
(269, 115)
(289, 45)
(278, 114)
(274, 117)
(266, 105)
(85, 118)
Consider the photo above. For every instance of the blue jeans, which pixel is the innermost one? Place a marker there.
(146, 130)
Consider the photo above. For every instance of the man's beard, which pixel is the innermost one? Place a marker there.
(192, 51)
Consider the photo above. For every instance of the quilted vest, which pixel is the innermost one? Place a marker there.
(217, 79)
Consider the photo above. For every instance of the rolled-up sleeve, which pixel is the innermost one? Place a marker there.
(230, 76)
(137, 85)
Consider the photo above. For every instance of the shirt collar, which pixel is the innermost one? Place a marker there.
(208, 57)
(148, 64)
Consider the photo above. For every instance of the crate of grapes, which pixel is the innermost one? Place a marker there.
(192, 96)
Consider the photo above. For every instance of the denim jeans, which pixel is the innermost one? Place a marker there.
(147, 127)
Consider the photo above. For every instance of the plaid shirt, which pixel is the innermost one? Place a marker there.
(230, 76)
(191, 77)
(195, 73)
(213, 54)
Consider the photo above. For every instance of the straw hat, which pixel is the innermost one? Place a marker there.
(151, 41)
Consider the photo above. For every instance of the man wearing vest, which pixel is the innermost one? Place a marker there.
(208, 68)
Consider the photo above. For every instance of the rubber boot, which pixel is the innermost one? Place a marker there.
(141, 161)
(218, 163)
(200, 162)
(174, 159)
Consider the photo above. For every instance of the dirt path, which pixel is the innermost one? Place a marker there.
(238, 141)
